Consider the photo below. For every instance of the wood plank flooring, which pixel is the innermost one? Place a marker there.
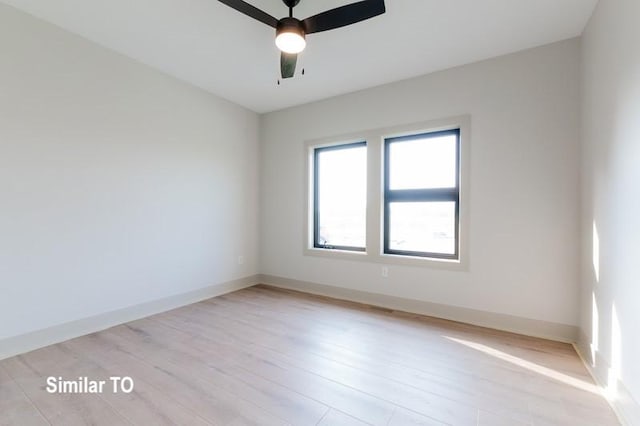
(264, 356)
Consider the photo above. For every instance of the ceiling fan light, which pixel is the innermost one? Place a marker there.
(290, 37)
(290, 42)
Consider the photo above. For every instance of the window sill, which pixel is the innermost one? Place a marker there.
(425, 262)
(390, 259)
(337, 254)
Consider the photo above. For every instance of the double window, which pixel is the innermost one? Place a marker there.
(388, 197)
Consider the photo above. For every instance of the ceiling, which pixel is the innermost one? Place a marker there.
(216, 48)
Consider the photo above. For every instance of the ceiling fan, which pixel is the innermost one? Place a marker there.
(291, 32)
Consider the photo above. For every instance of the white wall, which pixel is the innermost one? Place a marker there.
(524, 177)
(611, 200)
(118, 184)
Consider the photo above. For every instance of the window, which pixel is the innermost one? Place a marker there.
(421, 194)
(396, 195)
(340, 197)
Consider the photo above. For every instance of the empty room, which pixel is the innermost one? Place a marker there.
(333, 213)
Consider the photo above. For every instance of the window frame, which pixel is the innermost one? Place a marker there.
(316, 196)
(420, 195)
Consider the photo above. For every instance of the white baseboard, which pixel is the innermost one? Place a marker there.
(536, 328)
(59, 333)
(623, 403)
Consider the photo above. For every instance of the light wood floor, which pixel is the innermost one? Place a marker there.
(271, 357)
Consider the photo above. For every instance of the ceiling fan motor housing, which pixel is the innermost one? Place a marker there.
(290, 25)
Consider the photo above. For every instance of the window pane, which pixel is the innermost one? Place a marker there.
(429, 162)
(342, 197)
(427, 227)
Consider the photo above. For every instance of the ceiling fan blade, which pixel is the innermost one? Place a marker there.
(288, 64)
(344, 15)
(251, 11)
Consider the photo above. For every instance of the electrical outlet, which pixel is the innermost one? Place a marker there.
(240, 260)
(385, 271)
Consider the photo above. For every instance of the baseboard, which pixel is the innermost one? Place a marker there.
(623, 403)
(37, 339)
(536, 328)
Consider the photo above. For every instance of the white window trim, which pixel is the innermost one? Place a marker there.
(375, 202)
